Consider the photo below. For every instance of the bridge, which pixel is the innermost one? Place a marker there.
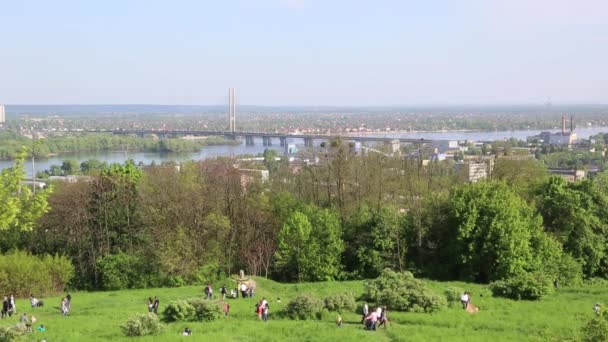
(267, 138)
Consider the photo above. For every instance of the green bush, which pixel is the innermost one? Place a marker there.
(205, 310)
(304, 307)
(124, 271)
(179, 310)
(402, 292)
(596, 329)
(530, 286)
(340, 302)
(22, 273)
(10, 333)
(452, 294)
(142, 325)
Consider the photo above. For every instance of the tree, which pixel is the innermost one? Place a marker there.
(20, 208)
(326, 244)
(293, 251)
(70, 167)
(490, 232)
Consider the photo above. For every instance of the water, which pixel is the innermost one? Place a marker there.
(235, 150)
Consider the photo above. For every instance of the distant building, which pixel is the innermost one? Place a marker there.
(2, 114)
(474, 171)
(563, 138)
(569, 175)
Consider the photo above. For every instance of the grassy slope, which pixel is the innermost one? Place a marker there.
(96, 317)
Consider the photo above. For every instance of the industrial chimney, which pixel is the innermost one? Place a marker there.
(564, 124)
(571, 124)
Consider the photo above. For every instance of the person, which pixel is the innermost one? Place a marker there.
(597, 309)
(187, 332)
(226, 309)
(65, 306)
(259, 309)
(383, 318)
(379, 311)
(244, 290)
(224, 292)
(23, 318)
(234, 293)
(33, 319)
(464, 299)
(365, 312)
(12, 308)
(5, 307)
(41, 328)
(371, 320)
(339, 321)
(150, 304)
(251, 292)
(265, 312)
(155, 305)
(69, 298)
(264, 301)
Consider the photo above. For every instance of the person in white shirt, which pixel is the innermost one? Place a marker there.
(464, 299)
(244, 290)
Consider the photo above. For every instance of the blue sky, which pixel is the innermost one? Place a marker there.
(304, 52)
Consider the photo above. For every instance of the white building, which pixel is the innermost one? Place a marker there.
(2, 114)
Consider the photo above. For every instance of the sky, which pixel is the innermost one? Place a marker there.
(304, 52)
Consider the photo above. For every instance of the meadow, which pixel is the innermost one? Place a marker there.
(96, 316)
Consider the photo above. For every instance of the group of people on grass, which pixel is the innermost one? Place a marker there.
(261, 308)
(153, 304)
(375, 318)
(8, 306)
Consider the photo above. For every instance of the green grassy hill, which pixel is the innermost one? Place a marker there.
(96, 316)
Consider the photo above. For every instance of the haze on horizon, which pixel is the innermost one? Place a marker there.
(304, 52)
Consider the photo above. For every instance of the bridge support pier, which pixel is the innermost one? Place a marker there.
(394, 146)
(267, 141)
(283, 141)
(249, 140)
(308, 142)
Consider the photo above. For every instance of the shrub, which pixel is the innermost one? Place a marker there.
(530, 286)
(179, 310)
(22, 273)
(340, 302)
(124, 271)
(304, 307)
(142, 325)
(11, 333)
(205, 310)
(452, 294)
(402, 292)
(596, 329)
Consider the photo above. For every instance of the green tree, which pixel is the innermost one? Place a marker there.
(325, 244)
(70, 167)
(294, 250)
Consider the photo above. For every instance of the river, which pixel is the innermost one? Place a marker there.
(235, 150)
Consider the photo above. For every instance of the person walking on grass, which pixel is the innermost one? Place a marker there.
(5, 307)
(365, 312)
(65, 307)
(13, 305)
(464, 299)
(155, 305)
(265, 313)
(208, 292)
(224, 292)
(226, 307)
(383, 320)
(371, 320)
(150, 304)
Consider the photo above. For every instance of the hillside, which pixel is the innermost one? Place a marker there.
(96, 316)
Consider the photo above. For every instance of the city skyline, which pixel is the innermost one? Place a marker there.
(305, 52)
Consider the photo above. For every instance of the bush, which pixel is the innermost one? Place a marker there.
(124, 271)
(179, 310)
(142, 325)
(304, 307)
(22, 273)
(340, 302)
(530, 286)
(596, 329)
(205, 310)
(452, 294)
(11, 333)
(192, 310)
(402, 292)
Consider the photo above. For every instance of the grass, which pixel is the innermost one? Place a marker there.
(96, 316)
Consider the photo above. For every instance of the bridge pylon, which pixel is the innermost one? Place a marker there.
(231, 111)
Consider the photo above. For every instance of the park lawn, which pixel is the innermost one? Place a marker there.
(96, 316)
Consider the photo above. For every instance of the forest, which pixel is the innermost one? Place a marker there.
(345, 217)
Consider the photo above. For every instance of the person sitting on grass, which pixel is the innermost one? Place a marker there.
(187, 332)
(41, 328)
